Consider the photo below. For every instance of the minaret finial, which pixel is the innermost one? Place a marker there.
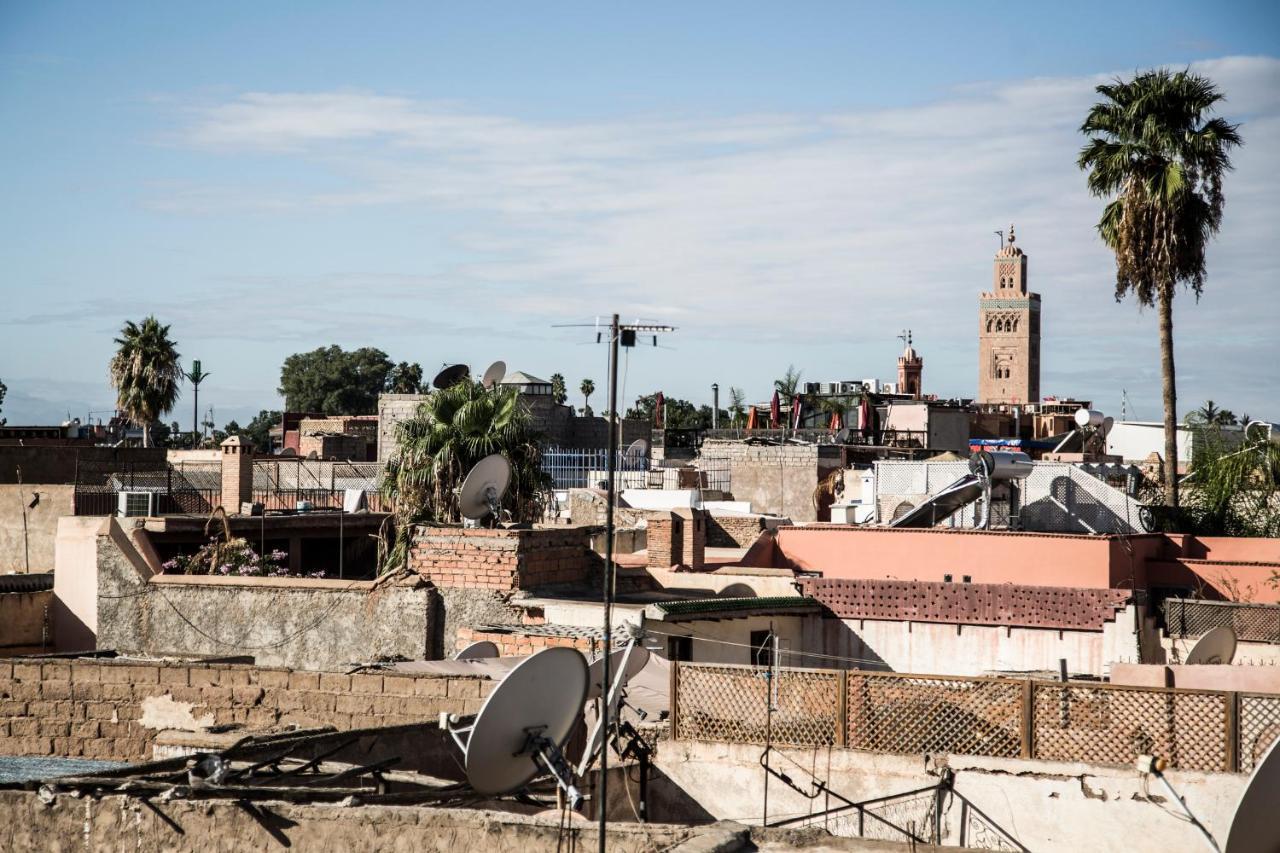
(1010, 233)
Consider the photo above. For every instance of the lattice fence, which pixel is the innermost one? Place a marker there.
(1184, 617)
(731, 703)
(913, 714)
(1001, 717)
(1114, 725)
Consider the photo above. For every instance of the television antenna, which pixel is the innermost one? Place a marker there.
(494, 374)
(451, 375)
(482, 490)
(1216, 647)
(523, 725)
(481, 650)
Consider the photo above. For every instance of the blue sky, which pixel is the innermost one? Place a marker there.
(787, 183)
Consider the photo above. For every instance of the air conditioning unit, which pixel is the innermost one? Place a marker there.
(136, 504)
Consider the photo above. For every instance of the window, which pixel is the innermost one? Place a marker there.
(680, 648)
(761, 648)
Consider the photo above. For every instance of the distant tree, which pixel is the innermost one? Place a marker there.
(1155, 154)
(680, 414)
(3, 390)
(258, 430)
(334, 381)
(145, 373)
(1210, 415)
(789, 383)
(587, 388)
(232, 428)
(559, 393)
(405, 378)
(737, 406)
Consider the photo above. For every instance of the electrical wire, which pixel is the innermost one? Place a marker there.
(877, 663)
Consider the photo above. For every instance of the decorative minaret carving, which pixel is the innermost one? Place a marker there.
(1009, 332)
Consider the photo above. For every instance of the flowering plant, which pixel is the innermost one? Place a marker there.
(234, 557)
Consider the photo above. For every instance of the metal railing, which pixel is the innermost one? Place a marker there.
(576, 468)
(1096, 723)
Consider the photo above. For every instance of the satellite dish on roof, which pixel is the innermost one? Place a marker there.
(634, 663)
(482, 490)
(450, 376)
(524, 722)
(478, 651)
(493, 374)
(1107, 423)
(637, 448)
(1254, 828)
(843, 435)
(1217, 646)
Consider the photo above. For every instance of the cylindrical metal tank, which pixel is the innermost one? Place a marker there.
(1089, 418)
(1001, 464)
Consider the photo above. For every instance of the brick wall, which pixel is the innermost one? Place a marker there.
(733, 531)
(113, 709)
(501, 560)
(665, 537)
(512, 644)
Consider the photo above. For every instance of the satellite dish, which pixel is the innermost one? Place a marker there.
(1217, 646)
(634, 663)
(1107, 423)
(450, 376)
(478, 651)
(494, 374)
(482, 490)
(535, 705)
(1254, 828)
(636, 449)
(843, 435)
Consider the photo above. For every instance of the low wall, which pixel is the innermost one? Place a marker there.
(1247, 679)
(1047, 806)
(733, 531)
(25, 620)
(502, 559)
(26, 544)
(113, 709)
(45, 465)
(776, 479)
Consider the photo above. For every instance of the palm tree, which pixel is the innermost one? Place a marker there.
(1210, 415)
(145, 373)
(737, 405)
(587, 388)
(450, 432)
(1161, 161)
(789, 382)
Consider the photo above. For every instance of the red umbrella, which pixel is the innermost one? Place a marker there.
(864, 415)
(796, 405)
(753, 418)
(836, 421)
(659, 413)
(775, 411)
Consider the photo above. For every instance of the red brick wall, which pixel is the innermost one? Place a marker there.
(93, 708)
(510, 645)
(501, 559)
(733, 531)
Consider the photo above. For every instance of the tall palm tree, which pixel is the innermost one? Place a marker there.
(146, 373)
(737, 405)
(789, 382)
(1154, 152)
(587, 388)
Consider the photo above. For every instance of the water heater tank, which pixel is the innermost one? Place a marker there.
(1089, 418)
(1001, 464)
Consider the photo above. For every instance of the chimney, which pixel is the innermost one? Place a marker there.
(693, 547)
(237, 473)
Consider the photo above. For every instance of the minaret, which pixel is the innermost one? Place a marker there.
(910, 366)
(1009, 333)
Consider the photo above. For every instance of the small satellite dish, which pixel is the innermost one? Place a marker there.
(484, 487)
(1254, 828)
(1107, 423)
(450, 376)
(635, 662)
(843, 435)
(494, 374)
(478, 651)
(535, 705)
(1217, 646)
(637, 448)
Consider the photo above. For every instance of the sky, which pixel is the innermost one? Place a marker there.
(786, 183)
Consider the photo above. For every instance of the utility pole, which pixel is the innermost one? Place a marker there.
(196, 376)
(715, 405)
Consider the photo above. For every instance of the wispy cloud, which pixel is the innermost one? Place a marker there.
(832, 226)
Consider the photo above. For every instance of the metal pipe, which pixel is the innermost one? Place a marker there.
(607, 581)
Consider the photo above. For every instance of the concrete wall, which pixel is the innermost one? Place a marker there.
(779, 480)
(25, 620)
(113, 708)
(1245, 679)
(75, 583)
(59, 464)
(930, 647)
(728, 641)
(1047, 806)
(29, 546)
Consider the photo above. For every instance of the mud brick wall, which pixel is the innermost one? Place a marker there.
(112, 709)
(515, 644)
(453, 557)
(733, 531)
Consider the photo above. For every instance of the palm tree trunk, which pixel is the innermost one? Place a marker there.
(146, 435)
(1170, 397)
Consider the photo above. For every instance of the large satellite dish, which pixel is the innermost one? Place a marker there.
(525, 721)
(482, 490)
(494, 374)
(634, 663)
(1254, 829)
(478, 651)
(1217, 646)
(450, 376)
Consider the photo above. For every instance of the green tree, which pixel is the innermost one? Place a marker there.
(1210, 415)
(1154, 152)
(559, 393)
(737, 405)
(258, 430)
(405, 378)
(587, 388)
(450, 432)
(789, 383)
(680, 414)
(1233, 488)
(333, 381)
(4, 389)
(145, 373)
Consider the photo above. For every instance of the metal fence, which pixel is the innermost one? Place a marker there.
(282, 482)
(1185, 617)
(179, 488)
(1207, 730)
(576, 468)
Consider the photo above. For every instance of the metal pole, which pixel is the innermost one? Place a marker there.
(715, 405)
(607, 584)
(195, 415)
